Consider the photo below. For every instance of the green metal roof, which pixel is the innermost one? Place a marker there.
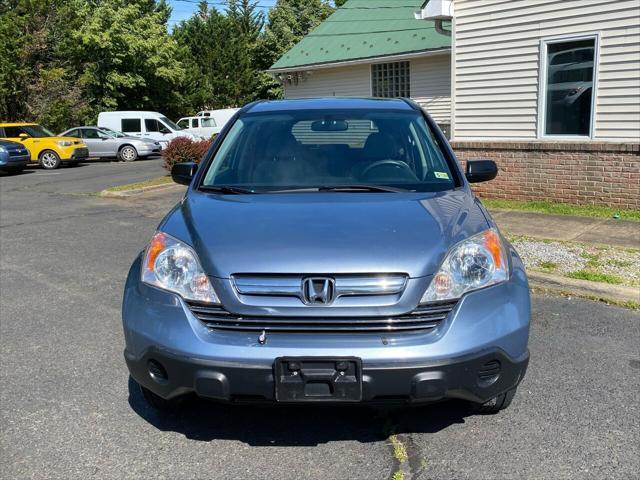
(363, 29)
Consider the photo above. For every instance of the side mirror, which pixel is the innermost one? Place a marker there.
(183, 173)
(481, 171)
(23, 136)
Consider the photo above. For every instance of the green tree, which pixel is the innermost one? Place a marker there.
(219, 52)
(288, 22)
(128, 58)
(37, 80)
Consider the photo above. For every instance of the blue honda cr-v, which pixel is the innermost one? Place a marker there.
(329, 250)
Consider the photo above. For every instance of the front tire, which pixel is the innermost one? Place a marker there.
(500, 402)
(128, 154)
(49, 160)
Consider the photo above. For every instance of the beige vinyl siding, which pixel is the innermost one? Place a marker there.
(430, 84)
(349, 81)
(497, 55)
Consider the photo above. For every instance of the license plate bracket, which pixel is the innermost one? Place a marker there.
(318, 379)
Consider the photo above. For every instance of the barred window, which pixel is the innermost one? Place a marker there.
(391, 79)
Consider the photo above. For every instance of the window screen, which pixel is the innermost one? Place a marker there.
(569, 87)
(131, 125)
(391, 79)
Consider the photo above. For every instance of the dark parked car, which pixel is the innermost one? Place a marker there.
(13, 156)
(329, 250)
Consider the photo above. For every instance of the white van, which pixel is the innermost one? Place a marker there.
(221, 116)
(205, 126)
(151, 125)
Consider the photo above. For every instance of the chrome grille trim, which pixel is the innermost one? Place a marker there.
(345, 285)
(423, 318)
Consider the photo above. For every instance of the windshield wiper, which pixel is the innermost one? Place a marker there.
(226, 189)
(361, 188)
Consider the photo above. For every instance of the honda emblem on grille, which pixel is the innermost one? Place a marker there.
(318, 290)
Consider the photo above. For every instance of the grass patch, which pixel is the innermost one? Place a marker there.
(166, 179)
(593, 260)
(550, 266)
(399, 450)
(620, 263)
(596, 277)
(594, 211)
(397, 475)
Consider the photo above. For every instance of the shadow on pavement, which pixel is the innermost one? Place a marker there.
(280, 425)
(4, 173)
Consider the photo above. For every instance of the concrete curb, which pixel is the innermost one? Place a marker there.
(584, 288)
(137, 191)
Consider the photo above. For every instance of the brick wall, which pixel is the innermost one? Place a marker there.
(570, 172)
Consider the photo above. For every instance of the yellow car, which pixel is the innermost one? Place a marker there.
(46, 148)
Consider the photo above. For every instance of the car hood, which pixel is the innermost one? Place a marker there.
(12, 145)
(324, 233)
(57, 138)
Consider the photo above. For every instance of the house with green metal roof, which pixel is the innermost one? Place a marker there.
(373, 48)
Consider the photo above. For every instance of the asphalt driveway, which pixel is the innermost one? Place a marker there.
(68, 409)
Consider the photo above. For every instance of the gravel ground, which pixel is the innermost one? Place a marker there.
(566, 258)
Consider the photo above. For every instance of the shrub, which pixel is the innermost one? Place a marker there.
(183, 149)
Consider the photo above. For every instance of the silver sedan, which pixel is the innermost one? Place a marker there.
(104, 142)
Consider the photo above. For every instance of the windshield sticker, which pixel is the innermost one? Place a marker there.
(442, 175)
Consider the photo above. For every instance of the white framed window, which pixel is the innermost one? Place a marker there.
(568, 86)
(391, 79)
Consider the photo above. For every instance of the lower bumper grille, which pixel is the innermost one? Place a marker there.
(423, 318)
(18, 153)
(80, 153)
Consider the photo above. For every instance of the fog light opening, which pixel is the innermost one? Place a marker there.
(489, 373)
(157, 372)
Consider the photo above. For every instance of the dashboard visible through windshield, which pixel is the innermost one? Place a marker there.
(324, 150)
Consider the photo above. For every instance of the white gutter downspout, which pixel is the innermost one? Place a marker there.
(440, 10)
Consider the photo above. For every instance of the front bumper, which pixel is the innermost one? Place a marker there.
(145, 150)
(462, 378)
(14, 161)
(489, 325)
(79, 154)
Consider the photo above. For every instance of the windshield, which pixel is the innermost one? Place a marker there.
(37, 131)
(170, 124)
(113, 133)
(320, 149)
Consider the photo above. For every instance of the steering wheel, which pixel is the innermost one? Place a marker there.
(397, 164)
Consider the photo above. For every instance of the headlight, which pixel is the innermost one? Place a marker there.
(2, 149)
(474, 263)
(171, 265)
(65, 143)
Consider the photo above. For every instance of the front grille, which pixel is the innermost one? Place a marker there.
(17, 153)
(423, 318)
